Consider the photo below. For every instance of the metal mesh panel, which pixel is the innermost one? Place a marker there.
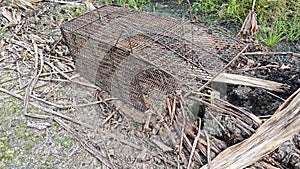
(140, 58)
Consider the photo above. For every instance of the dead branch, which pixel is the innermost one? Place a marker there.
(39, 57)
(194, 145)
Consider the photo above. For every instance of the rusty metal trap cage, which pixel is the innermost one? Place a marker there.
(141, 57)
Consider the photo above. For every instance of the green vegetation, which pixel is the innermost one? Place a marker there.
(293, 32)
(279, 20)
(272, 34)
(135, 4)
(71, 11)
(207, 10)
(14, 134)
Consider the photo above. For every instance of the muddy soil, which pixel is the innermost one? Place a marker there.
(279, 68)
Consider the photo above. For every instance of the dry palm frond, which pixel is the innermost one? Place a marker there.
(249, 26)
(250, 81)
(279, 128)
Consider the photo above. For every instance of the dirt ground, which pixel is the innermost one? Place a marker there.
(69, 126)
(50, 117)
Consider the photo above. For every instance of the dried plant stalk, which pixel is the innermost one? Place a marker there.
(249, 26)
(250, 81)
(279, 128)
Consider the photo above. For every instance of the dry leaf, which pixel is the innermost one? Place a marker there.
(249, 26)
(89, 5)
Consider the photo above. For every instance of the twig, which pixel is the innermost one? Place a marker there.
(169, 133)
(245, 126)
(51, 73)
(208, 156)
(190, 10)
(182, 128)
(204, 85)
(103, 157)
(228, 109)
(250, 115)
(122, 140)
(217, 121)
(70, 79)
(149, 115)
(194, 145)
(258, 67)
(274, 95)
(19, 75)
(39, 116)
(108, 118)
(69, 106)
(66, 59)
(36, 76)
(54, 80)
(270, 53)
(180, 133)
(66, 2)
(141, 155)
(15, 78)
(58, 70)
(45, 109)
(253, 5)
(189, 146)
(167, 161)
(38, 125)
(202, 143)
(96, 102)
(173, 109)
(169, 107)
(186, 141)
(161, 145)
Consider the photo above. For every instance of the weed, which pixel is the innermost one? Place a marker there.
(207, 9)
(293, 31)
(135, 4)
(285, 26)
(272, 34)
(69, 12)
(238, 9)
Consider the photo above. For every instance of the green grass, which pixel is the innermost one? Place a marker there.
(285, 27)
(135, 4)
(206, 10)
(293, 31)
(272, 34)
(279, 20)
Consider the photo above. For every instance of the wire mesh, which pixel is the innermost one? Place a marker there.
(141, 58)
